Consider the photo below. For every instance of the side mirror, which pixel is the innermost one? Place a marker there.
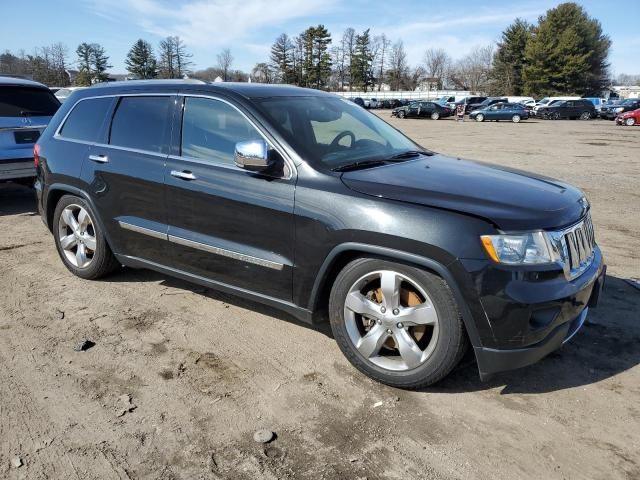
(252, 155)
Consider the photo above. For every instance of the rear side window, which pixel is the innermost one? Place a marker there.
(211, 129)
(85, 120)
(140, 122)
(27, 102)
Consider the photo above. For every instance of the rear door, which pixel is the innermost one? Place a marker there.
(125, 172)
(227, 224)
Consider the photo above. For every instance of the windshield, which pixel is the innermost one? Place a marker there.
(27, 102)
(629, 101)
(332, 131)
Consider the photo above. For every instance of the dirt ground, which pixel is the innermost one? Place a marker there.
(181, 377)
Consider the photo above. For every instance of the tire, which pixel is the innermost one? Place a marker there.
(630, 122)
(515, 119)
(429, 350)
(401, 114)
(97, 259)
(435, 116)
(480, 118)
(555, 116)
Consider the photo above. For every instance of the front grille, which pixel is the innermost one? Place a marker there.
(578, 246)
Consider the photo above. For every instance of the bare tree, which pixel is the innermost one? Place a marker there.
(262, 73)
(437, 64)
(381, 57)
(348, 44)
(225, 60)
(398, 66)
(173, 58)
(472, 72)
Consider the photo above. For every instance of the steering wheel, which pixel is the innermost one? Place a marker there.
(340, 136)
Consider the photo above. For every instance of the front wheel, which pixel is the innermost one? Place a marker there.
(435, 116)
(79, 241)
(396, 324)
(585, 116)
(479, 118)
(630, 122)
(401, 114)
(515, 119)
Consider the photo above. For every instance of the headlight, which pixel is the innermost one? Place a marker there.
(619, 109)
(520, 249)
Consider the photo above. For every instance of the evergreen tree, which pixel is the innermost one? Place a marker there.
(282, 59)
(567, 54)
(509, 60)
(93, 63)
(140, 61)
(361, 62)
(84, 65)
(316, 61)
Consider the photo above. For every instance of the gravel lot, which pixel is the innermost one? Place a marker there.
(181, 377)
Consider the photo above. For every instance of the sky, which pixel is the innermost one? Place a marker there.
(249, 27)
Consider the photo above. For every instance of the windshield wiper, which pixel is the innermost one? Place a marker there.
(359, 165)
(412, 153)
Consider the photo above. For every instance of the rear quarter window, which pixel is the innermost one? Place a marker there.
(18, 101)
(140, 123)
(85, 120)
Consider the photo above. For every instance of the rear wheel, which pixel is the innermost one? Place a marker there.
(630, 121)
(395, 323)
(435, 116)
(80, 243)
(515, 119)
(480, 118)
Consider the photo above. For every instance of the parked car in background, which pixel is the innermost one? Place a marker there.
(468, 101)
(629, 118)
(612, 111)
(488, 101)
(63, 93)
(299, 200)
(358, 101)
(597, 102)
(422, 109)
(370, 103)
(25, 110)
(501, 111)
(528, 104)
(547, 101)
(570, 109)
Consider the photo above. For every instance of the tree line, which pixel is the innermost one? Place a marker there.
(564, 53)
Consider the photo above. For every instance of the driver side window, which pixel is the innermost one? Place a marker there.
(211, 129)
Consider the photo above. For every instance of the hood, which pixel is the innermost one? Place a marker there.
(511, 199)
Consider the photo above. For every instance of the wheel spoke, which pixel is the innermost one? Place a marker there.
(68, 241)
(83, 220)
(69, 219)
(81, 255)
(409, 350)
(90, 242)
(372, 342)
(358, 303)
(423, 314)
(390, 285)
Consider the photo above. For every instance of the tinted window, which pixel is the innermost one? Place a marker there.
(85, 120)
(211, 129)
(139, 122)
(27, 102)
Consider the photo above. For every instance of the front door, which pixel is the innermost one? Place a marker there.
(227, 224)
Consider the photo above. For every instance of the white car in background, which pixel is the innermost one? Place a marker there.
(63, 93)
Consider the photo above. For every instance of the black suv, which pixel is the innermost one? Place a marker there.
(304, 201)
(571, 109)
(610, 112)
(421, 109)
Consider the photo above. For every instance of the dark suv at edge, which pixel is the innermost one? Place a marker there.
(302, 200)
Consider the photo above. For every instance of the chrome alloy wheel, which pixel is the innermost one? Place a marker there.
(391, 320)
(77, 236)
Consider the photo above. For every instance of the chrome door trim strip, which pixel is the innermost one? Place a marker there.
(225, 253)
(143, 230)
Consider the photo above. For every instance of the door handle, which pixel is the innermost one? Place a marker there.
(99, 158)
(185, 175)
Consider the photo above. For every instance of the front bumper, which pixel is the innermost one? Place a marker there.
(531, 318)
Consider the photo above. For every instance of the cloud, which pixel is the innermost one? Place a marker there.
(213, 23)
